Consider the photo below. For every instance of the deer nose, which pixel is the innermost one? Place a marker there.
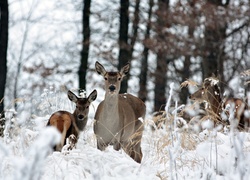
(112, 88)
(80, 117)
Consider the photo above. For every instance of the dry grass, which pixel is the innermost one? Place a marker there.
(189, 82)
(189, 141)
(171, 148)
(245, 73)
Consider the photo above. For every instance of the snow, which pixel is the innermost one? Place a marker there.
(168, 153)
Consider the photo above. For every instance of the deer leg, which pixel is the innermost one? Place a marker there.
(70, 144)
(133, 150)
(136, 142)
(117, 146)
(136, 153)
(126, 146)
(100, 144)
(72, 140)
(58, 147)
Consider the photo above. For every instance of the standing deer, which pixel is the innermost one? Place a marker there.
(69, 124)
(118, 116)
(210, 93)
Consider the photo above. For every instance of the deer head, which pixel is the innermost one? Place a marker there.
(112, 79)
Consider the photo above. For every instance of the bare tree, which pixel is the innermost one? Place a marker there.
(192, 39)
(3, 56)
(185, 72)
(21, 54)
(135, 26)
(202, 40)
(123, 40)
(85, 47)
(162, 57)
(144, 61)
(215, 34)
(43, 54)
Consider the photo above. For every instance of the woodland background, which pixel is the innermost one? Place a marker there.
(53, 45)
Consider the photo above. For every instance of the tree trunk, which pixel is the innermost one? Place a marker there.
(85, 47)
(162, 59)
(135, 27)
(144, 62)
(3, 56)
(215, 34)
(184, 76)
(123, 41)
(160, 82)
(186, 72)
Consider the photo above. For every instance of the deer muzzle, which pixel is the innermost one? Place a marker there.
(112, 88)
(80, 117)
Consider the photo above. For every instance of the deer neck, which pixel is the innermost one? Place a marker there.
(111, 100)
(110, 107)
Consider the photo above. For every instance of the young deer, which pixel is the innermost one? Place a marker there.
(71, 124)
(118, 116)
(238, 107)
(210, 93)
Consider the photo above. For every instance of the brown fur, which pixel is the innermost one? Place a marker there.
(117, 117)
(210, 94)
(239, 106)
(61, 120)
(68, 123)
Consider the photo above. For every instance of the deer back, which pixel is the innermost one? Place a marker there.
(137, 105)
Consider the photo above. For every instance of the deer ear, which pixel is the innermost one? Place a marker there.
(72, 97)
(100, 69)
(206, 83)
(124, 71)
(92, 96)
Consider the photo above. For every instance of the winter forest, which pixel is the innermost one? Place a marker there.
(189, 62)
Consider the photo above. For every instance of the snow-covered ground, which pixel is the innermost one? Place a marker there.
(25, 151)
(167, 154)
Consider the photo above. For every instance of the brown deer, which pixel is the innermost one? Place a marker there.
(210, 94)
(237, 107)
(69, 124)
(118, 116)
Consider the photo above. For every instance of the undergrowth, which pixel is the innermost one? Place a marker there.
(171, 151)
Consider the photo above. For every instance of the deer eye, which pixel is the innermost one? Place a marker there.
(106, 78)
(87, 107)
(119, 79)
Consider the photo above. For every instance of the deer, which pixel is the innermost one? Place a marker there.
(210, 94)
(215, 106)
(237, 107)
(71, 124)
(118, 118)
